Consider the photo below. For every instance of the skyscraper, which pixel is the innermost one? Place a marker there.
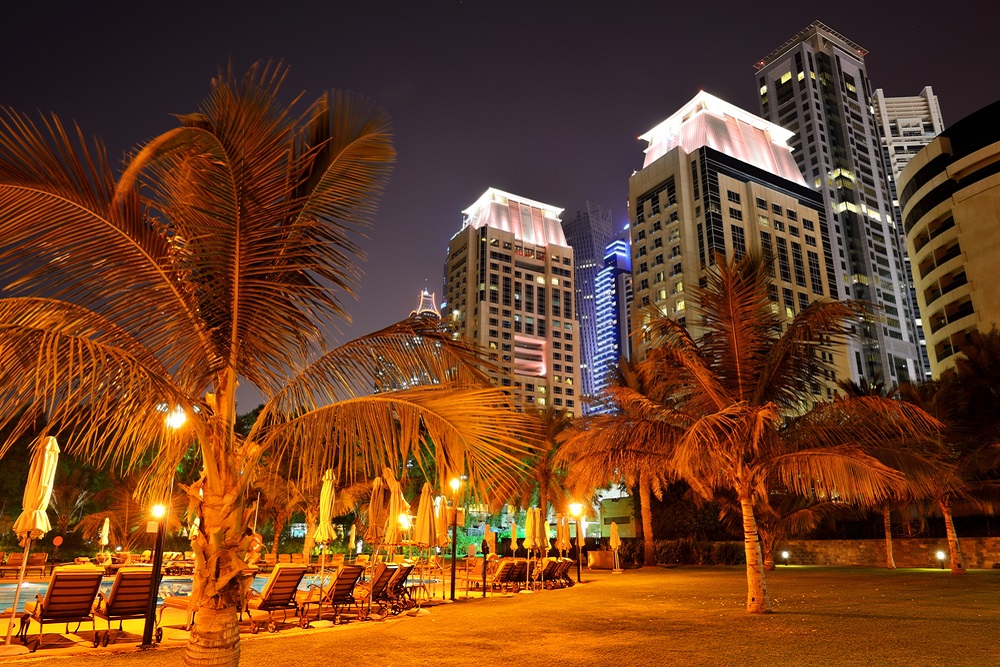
(949, 194)
(718, 182)
(612, 305)
(588, 234)
(906, 125)
(816, 86)
(509, 286)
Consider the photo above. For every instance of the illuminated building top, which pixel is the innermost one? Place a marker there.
(426, 307)
(709, 121)
(530, 221)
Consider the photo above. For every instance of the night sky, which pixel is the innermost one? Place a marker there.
(542, 99)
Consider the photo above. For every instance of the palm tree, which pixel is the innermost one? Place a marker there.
(127, 515)
(70, 495)
(221, 255)
(544, 473)
(727, 411)
(965, 400)
(594, 461)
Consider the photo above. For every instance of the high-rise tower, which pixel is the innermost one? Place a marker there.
(588, 234)
(816, 86)
(612, 303)
(718, 182)
(906, 125)
(509, 286)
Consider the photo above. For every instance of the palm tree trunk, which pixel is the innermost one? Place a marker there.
(758, 601)
(890, 563)
(646, 509)
(279, 527)
(767, 544)
(954, 547)
(218, 580)
(543, 496)
(312, 519)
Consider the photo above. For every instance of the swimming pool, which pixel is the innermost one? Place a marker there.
(168, 586)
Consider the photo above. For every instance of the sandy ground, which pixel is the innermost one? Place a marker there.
(656, 616)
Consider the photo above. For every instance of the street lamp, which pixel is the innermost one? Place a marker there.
(157, 525)
(784, 555)
(455, 484)
(576, 509)
(940, 557)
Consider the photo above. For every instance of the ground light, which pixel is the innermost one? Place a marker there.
(940, 557)
(576, 510)
(159, 526)
(455, 484)
(784, 556)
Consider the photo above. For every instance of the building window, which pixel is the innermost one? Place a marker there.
(761, 203)
(735, 214)
(776, 209)
(734, 197)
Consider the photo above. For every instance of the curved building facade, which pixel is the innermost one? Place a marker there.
(950, 200)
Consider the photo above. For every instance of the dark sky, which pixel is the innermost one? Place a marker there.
(543, 99)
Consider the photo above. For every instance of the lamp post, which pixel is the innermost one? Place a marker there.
(159, 513)
(455, 484)
(940, 558)
(784, 555)
(576, 509)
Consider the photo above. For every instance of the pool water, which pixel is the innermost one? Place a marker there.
(168, 586)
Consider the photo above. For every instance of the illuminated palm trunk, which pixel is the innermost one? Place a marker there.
(955, 549)
(758, 601)
(645, 508)
(767, 540)
(890, 563)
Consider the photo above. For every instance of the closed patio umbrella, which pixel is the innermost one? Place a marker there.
(616, 543)
(105, 529)
(33, 522)
(443, 538)
(376, 514)
(325, 532)
(397, 508)
(529, 543)
(352, 539)
(562, 535)
(513, 538)
(425, 528)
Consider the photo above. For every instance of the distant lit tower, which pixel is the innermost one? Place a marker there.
(426, 306)
(719, 182)
(509, 286)
(588, 234)
(906, 125)
(816, 85)
(612, 304)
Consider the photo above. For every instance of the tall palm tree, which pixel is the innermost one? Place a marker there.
(594, 461)
(965, 399)
(543, 471)
(220, 255)
(727, 410)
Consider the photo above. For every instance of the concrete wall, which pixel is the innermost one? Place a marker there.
(978, 552)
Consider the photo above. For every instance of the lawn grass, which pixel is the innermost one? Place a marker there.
(684, 616)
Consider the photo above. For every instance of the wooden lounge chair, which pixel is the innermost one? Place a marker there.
(339, 594)
(277, 594)
(128, 599)
(37, 560)
(13, 563)
(375, 589)
(398, 594)
(69, 599)
(284, 558)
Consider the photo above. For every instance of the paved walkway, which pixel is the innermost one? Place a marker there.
(660, 616)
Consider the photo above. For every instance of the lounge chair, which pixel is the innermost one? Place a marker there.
(277, 594)
(500, 577)
(398, 594)
(284, 558)
(339, 594)
(375, 590)
(37, 560)
(128, 599)
(565, 564)
(69, 599)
